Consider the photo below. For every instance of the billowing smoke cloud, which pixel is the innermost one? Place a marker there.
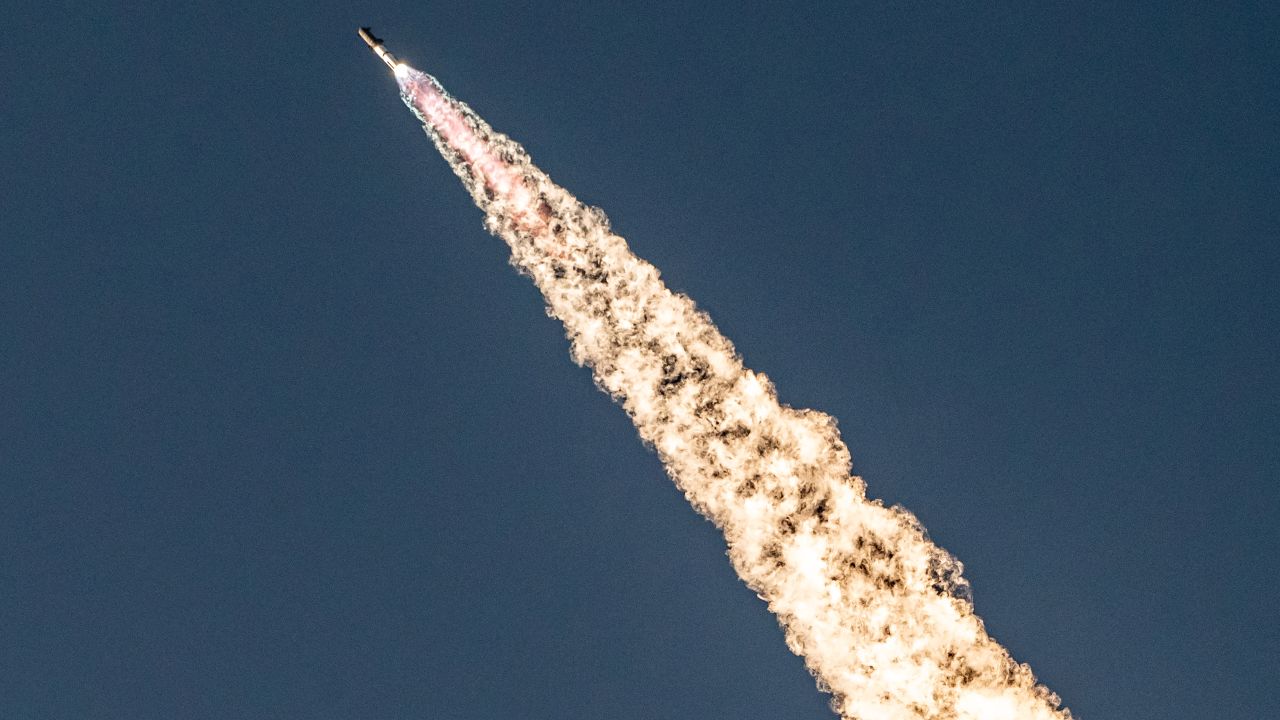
(880, 614)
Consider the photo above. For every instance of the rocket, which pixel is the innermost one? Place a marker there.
(375, 44)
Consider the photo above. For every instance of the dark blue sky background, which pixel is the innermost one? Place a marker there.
(283, 436)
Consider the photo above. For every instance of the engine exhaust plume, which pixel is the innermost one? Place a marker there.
(880, 614)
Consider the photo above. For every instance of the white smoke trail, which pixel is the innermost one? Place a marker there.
(880, 614)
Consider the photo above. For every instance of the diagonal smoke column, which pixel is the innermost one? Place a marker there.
(880, 614)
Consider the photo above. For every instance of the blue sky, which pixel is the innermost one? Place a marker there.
(285, 437)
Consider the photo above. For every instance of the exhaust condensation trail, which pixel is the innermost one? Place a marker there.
(880, 614)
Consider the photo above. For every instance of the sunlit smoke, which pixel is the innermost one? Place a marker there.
(880, 614)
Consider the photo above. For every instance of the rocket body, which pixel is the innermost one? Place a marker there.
(375, 44)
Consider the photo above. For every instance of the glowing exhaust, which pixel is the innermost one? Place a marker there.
(881, 615)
